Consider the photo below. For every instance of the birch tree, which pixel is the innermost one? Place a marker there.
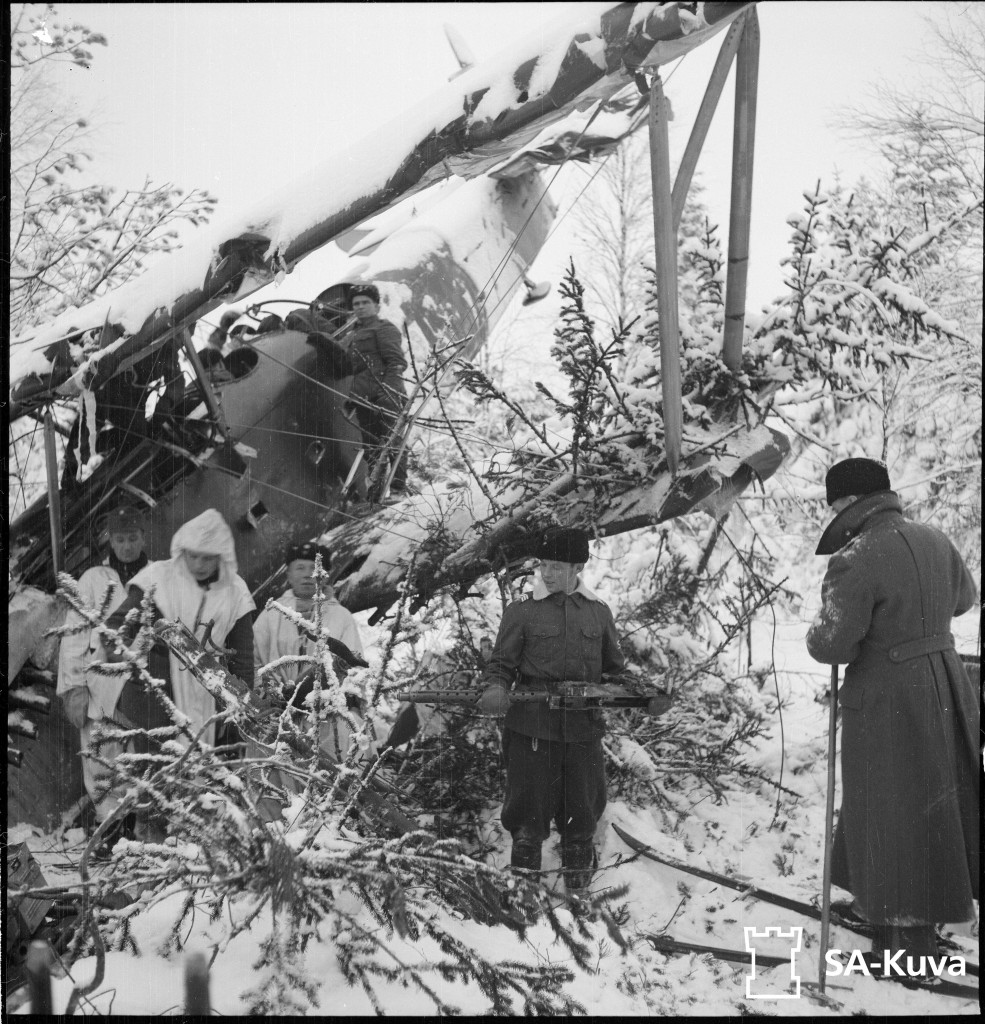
(71, 238)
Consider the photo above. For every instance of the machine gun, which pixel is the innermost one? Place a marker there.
(566, 696)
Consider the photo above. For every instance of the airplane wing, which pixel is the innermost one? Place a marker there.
(489, 119)
(375, 559)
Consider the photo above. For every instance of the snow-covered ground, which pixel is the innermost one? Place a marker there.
(739, 836)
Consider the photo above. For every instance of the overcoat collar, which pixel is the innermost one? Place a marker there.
(850, 521)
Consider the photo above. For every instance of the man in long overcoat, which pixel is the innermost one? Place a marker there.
(907, 843)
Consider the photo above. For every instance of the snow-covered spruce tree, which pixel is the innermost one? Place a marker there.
(928, 414)
(872, 366)
(453, 770)
(926, 213)
(269, 835)
(682, 606)
(606, 430)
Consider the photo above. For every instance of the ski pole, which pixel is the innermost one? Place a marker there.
(829, 815)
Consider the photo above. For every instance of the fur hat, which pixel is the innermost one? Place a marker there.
(307, 552)
(123, 520)
(856, 476)
(369, 290)
(564, 544)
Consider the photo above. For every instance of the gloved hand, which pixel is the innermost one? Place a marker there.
(76, 705)
(494, 701)
(660, 704)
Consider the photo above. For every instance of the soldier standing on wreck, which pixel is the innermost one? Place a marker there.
(378, 394)
(554, 761)
(907, 843)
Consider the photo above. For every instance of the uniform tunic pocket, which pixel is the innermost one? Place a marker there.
(543, 648)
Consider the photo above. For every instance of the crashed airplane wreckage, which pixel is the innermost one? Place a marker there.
(445, 208)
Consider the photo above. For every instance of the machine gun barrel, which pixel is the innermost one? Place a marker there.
(565, 697)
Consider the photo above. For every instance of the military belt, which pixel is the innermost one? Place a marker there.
(926, 645)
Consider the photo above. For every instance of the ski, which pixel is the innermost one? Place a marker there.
(854, 924)
(675, 947)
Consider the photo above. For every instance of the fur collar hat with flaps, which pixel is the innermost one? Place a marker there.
(855, 476)
(208, 534)
(564, 544)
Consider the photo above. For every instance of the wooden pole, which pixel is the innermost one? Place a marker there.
(665, 248)
(740, 214)
(54, 497)
(38, 968)
(829, 817)
(713, 92)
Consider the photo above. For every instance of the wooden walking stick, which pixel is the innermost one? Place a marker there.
(829, 815)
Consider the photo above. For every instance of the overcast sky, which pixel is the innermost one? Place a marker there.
(241, 98)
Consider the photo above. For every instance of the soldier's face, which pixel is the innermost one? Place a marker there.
(301, 578)
(127, 544)
(364, 307)
(560, 577)
(201, 564)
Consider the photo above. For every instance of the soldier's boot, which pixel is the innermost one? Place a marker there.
(525, 857)
(914, 940)
(579, 862)
(525, 864)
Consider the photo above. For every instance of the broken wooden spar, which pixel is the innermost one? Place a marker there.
(54, 504)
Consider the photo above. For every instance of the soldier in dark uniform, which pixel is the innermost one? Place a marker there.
(554, 762)
(378, 394)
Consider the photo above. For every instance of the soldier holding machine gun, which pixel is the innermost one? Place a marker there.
(555, 769)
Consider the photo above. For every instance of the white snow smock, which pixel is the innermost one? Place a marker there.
(275, 636)
(180, 596)
(79, 650)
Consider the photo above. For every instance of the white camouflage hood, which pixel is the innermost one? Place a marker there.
(209, 534)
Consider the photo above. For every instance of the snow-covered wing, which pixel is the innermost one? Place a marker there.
(373, 556)
(477, 121)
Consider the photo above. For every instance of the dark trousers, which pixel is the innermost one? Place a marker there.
(376, 423)
(548, 780)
